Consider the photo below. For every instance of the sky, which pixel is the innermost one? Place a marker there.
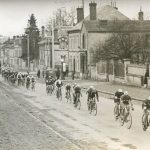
(14, 14)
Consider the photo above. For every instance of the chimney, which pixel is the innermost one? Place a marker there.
(115, 6)
(43, 32)
(141, 15)
(55, 35)
(80, 14)
(92, 10)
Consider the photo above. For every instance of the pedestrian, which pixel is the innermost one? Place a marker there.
(145, 78)
(43, 73)
(38, 73)
(73, 75)
(58, 73)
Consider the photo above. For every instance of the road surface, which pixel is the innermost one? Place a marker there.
(34, 121)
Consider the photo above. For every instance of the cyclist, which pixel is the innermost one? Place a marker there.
(19, 77)
(28, 80)
(92, 93)
(33, 82)
(146, 104)
(117, 97)
(77, 90)
(23, 79)
(68, 89)
(58, 84)
(75, 84)
(125, 101)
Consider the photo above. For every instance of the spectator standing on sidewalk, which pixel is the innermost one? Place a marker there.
(38, 73)
(73, 75)
(58, 73)
(145, 78)
(43, 73)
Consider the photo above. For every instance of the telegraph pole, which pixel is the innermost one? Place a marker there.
(53, 64)
(83, 6)
(28, 41)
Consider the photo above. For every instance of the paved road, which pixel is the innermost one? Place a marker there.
(33, 120)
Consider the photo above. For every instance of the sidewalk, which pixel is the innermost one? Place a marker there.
(107, 87)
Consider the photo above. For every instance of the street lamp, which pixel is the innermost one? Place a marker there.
(62, 66)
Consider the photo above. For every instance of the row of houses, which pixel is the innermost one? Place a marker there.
(11, 52)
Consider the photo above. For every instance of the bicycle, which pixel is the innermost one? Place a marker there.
(28, 85)
(125, 116)
(47, 89)
(77, 102)
(145, 119)
(33, 86)
(59, 93)
(92, 106)
(117, 110)
(68, 96)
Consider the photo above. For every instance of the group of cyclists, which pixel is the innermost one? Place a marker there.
(123, 102)
(73, 93)
(21, 79)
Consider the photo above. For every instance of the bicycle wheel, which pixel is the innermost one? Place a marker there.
(94, 108)
(88, 106)
(68, 98)
(128, 121)
(121, 117)
(78, 105)
(116, 113)
(144, 122)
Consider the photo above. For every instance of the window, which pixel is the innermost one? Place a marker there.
(83, 41)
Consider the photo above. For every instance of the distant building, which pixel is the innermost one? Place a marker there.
(60, 48)
(11, 52)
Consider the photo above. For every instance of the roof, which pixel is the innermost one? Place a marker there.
(116, 26)
(105, 12)
(108, 12)
(77, 27)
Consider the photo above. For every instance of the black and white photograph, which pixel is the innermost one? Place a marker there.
(74, 74)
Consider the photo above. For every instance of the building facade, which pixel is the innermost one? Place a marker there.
(96, 29)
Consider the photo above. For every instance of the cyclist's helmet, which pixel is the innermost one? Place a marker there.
(59, 81)
(125, 93)
(91, 87)
(68, 84)
(78, 85)
(75, 84)
(120, 90)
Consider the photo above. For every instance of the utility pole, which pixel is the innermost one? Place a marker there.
(28, 41)
(83, 6)
(53, 64)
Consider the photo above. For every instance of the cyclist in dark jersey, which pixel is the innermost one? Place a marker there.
(126, 100)
(77, 90)
(68, 89)
(146, 104)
